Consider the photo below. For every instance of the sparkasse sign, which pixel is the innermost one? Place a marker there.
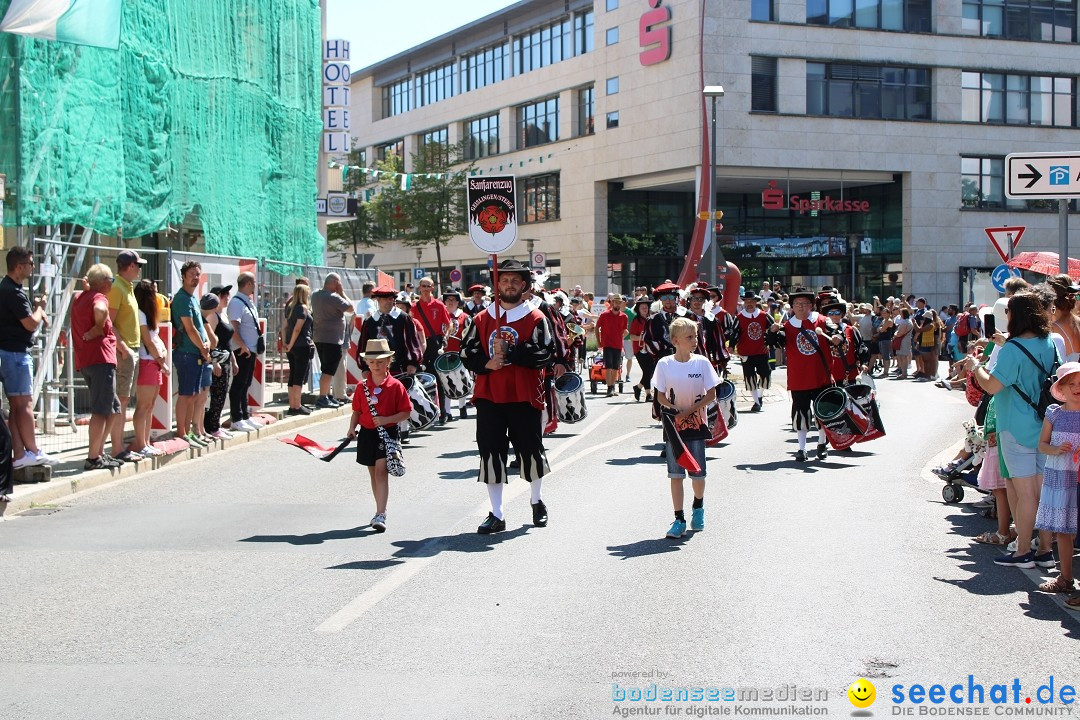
(772, 198)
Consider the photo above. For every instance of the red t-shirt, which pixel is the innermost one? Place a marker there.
(436, 314)
(637, 327)
(391, 399)
(101, 350)
(610, 328)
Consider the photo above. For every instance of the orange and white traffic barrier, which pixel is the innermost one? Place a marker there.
(161, 420)
(257, 389)
(352, 369)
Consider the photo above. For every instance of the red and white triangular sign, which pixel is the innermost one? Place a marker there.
(1000, 238)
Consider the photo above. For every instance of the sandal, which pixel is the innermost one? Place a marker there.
(1058, 584)
(993, 538)
(1073, 603)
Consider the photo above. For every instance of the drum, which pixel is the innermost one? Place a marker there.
(424, 410)
(570, 398)
(455, 381)
(725, 398)
(718, 422)
(865, 397)
(844, 421)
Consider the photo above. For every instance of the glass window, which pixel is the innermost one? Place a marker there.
(907, 15)
(840, 13)
(611, 5)
(867, 91)
(817, 12)
(815, 88)
(397, 98)
(483, 68)
(1018, 99)
(612, 86)
(394, 147)
(613, 120)
(611, 36)
(543, 46)
(481, 137)
(437, 140)
(435, 84)
(1047, 20)
(583, 33)
(538, 123)
(585, 124)
(538, 198)
(763, 84)
(762, 10)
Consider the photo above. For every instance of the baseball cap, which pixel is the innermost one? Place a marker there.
(221, 289)
(209, 301)
(127, 257)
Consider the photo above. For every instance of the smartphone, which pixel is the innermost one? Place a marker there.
(990, 325)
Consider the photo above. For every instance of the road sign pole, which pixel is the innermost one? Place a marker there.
(1063, 235)
(1011, 247)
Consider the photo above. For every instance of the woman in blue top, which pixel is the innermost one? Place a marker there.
(1018, 425)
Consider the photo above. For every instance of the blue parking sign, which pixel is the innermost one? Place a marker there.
(418, 273)
(1001, 274)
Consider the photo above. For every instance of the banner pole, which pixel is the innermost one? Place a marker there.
(495, 284)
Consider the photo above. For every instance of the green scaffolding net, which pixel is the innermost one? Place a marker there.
(209, 106)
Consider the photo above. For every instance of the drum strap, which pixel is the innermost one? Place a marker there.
(812, 339)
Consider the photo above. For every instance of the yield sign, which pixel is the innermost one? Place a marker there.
(1005, 239)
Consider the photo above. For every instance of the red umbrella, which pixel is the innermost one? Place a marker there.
(1045, 263)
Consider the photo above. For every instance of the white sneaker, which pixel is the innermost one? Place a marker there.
(254, 423)
(28, 459)
(243, 426)
(43, 459)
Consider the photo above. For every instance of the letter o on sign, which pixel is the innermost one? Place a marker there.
(334, 73)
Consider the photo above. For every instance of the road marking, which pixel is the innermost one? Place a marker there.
(427, 552)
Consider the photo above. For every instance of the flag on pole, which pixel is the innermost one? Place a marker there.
(83, 22)
(406, 181)
(682, 455)
(324, 453)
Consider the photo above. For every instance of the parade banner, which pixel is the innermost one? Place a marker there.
(492, 213)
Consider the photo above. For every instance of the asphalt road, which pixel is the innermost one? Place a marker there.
(248, 585)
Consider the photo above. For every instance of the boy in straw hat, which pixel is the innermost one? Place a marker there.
(391, 403)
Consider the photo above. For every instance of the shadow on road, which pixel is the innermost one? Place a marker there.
(643, 548)
(468, 542)
(459, 454)
(314, 538)
(367, 565)
(810, 466)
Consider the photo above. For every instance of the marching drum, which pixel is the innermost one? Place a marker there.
(865, 397)
(455, 381)
(570, 398)
(424, 411)
(725, 398)
(844, 420)
(717, 422)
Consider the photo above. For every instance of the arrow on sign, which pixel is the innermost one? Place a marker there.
(1035, 175)
(1005, 239)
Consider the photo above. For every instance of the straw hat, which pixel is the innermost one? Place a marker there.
(377, 349)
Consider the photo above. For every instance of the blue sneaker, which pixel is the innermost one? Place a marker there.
(677, 530)
(1020, 561)
(697, 519)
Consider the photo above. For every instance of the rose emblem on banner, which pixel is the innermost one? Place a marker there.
(492, 219)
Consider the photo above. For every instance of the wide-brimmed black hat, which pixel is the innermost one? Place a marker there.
(452, 293)
(751, 296)
(842, 307)
(643, 301)
(514, 267)
(801, 292)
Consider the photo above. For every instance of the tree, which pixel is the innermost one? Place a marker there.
(360, 233)
(431, 209)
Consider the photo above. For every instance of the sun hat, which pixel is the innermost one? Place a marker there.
(377, 349)
(1063, 372)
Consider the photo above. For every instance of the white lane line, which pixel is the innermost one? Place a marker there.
(430, 550)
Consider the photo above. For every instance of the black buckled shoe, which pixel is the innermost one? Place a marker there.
(539, 514)
(463, 413)
(822, 451)
(637, 393)
(756, 408)
(800, 456)
(491, 524)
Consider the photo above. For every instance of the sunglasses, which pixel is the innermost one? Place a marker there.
(834, 312)
(669, 296)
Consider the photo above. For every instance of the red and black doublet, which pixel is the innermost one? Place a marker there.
(509, 400)
(398, 330)
(808, 372)
(750, 345)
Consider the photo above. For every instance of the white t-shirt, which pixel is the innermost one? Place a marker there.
(143, 353)
(685, 383)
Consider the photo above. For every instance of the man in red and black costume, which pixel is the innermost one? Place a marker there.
(508, 356)
(806, 337)
(391, 324)
(749, 343)
(657, 338)
(846, 358)
(475, 303)
(711, 332)
(562, 361)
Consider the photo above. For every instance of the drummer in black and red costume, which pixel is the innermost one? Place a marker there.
(711, 337)
(656, 337)
(476, 302)
(561, 362)
(751, 347)
(804, 336)
(509, 357)
(389, 323)
(453, 332)
(847, 358)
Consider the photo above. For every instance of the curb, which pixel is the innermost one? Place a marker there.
(26, 497)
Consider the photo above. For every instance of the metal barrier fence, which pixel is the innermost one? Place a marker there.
(61, 396)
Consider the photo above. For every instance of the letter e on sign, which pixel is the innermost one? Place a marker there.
(656, 39)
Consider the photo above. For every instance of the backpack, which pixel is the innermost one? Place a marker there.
(1045, 399)
(961, 326)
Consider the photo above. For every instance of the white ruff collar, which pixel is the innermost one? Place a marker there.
(757, 311)
(376, 315)
(512, 315)
(796, 322)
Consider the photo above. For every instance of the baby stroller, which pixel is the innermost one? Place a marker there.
(958, 475)
(596, 373)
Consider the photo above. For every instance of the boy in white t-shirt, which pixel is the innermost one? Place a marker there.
(686, 383)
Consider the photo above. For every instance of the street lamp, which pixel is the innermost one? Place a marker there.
(715, 256)
(853, 245)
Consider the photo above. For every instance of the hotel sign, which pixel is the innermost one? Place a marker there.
(657, 40)
(336, 76)
(772, 198)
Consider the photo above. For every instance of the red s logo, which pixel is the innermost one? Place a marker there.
(772, 198)
(648, 34)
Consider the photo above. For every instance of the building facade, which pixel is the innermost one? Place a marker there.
(860, 143)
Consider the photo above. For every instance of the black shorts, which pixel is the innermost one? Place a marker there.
(612, 358)
(369, 446)
(329, 357)
(299, 364)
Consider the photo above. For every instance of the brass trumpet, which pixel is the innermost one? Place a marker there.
(575, 329)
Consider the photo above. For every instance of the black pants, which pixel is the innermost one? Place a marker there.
(219, 390)
(7, 474)
(238, 393)
(647, 365)
(499, 425)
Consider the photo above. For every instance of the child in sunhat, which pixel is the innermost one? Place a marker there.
(385, 393)
(1060, 442)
